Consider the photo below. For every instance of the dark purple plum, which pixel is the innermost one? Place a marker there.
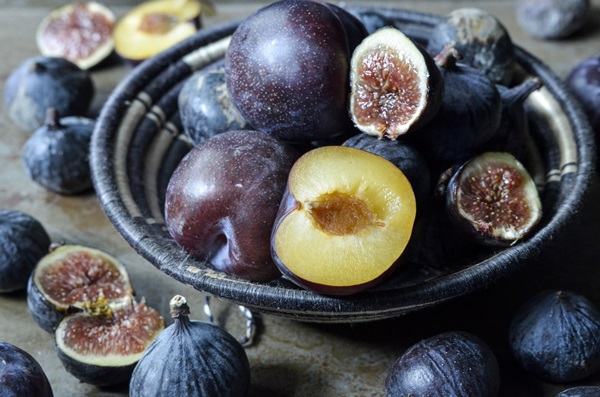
(580, 391)
(205, 108)
(20, 374)
(584, 82)
(451, 364)
(23, 242)
(287, 71)
(555, 336)
(223, 197)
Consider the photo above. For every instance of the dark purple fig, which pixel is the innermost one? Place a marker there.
(395, 85)
(20, 374)
(23, 242)
(286, 70)
(451, 364)
(555, 336)
(43, 82)
(223, 197)
(404, 156)
(355, 29)
(513, 131)
(102, 344)
(469, 114)
(69, 279)
(580, 391)
(493, 199)
(56, 156)
(551, 19)
(191, 358)
(205, 108)
(480, 38)
(583, 81)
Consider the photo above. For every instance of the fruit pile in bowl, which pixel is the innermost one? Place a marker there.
(341, 164)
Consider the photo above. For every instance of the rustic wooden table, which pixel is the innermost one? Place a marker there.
(292, 358)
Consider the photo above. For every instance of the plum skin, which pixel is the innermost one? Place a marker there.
(222, 200)
(287, 71)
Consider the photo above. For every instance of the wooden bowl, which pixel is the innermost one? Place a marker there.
(138, 143)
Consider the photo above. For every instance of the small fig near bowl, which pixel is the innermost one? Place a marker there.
(493, 198)
(551, 19)
(451, 364)
(555, 336)
(580, 391)
(80, 32)
(205, 107)
(43, 82)
(191, 358)
(102, 344)
(395, 84)
(20, 374)
(583, 80)
(71, 278)
(56, 155)
(23, 242)
(481, 39)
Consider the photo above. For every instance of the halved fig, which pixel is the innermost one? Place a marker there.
(154, 26)
(395, 84)
(494, 199)
(71, 278)
(102, 345)
(80, 32)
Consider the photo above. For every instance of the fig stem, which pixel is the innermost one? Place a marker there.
(179, 307)
(519, 93)
(52, 120)
(448, 56)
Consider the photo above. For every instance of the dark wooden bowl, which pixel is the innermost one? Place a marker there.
(138, 143)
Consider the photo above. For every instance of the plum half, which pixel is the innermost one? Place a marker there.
(223, 197)
(344, 222)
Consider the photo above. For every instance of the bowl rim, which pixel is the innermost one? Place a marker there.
(571, 181)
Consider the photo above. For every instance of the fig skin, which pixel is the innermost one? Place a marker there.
(551, 19)
(555, 336)
(404, 156)
(21, 374)
(205, 108)
(481, 39)
(451, 364)
(583, 80)
(191, 358)
(23, 241)
(223, 197)
(513, 131)
(580, 391)
(501, 198)
(468, 117)
(356, 31)
(56, 155)
(42, 82)
(286, 70)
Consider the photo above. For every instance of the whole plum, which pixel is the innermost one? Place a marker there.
(556, 336)
(223, 197)
(20, 374)
(287, 71)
